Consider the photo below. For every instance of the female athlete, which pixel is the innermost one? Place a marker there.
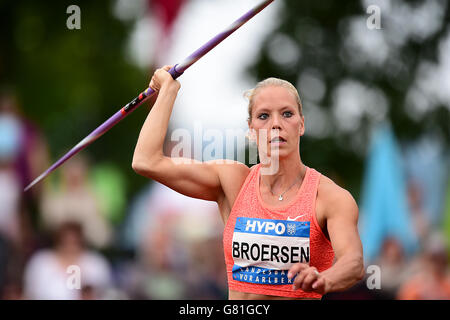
(290, 232)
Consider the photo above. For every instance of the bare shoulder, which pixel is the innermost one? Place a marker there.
(230, 171)
(232, 175)
(334, 199)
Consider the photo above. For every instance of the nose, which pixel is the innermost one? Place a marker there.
(275, 123)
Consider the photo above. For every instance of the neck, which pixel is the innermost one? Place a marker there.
(290, 168)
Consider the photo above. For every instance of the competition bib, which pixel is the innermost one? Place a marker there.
(264, 250)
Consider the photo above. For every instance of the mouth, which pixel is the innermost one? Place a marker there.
(278, 140)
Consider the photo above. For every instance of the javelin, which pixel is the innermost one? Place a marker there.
(176, 71)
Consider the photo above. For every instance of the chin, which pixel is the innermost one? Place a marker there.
(283, 152)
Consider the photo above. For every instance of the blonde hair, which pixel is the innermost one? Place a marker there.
(271, 82)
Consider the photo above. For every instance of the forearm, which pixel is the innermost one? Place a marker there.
(347, 270)
(151, 138)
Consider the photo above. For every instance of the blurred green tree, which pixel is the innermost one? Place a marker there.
(352, 77)
(69, 81)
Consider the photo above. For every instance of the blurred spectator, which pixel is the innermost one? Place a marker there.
(74, 200)
(10, 187)
(26, 143)
(432, 282)
(47, 274)
(206, 272)
(159, 259)
(395, 269)
(446, 216)
(418, 214)
(15, 223)
(23, 155)
(426, 163)
(179, 246)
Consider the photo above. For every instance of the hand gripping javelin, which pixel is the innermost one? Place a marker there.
(176, 71)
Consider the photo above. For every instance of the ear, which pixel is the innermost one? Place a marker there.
(251, 133)
(301, 131)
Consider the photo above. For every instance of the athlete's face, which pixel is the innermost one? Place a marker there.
(276, 120)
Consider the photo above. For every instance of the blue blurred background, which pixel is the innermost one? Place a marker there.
(377, 112)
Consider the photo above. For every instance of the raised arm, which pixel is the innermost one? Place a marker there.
(149, 147)
(189, 177)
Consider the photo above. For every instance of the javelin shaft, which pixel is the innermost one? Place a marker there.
(175, 71)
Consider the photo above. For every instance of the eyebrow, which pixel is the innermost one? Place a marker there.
(264, 109)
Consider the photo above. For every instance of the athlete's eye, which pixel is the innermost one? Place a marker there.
(287, 114)
(263, 116)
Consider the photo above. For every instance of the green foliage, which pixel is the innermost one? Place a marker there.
(319, 31)
(70, 81)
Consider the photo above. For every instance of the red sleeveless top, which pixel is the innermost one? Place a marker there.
(261, 242)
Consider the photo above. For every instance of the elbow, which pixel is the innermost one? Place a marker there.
(356, 269)
(139, 167)
(145, 167)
